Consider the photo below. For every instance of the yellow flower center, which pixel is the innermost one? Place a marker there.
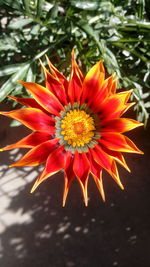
(77, 128)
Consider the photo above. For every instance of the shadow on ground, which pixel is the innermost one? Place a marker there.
(102, 235)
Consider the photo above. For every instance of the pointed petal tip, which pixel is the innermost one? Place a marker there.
(34, 187)
(122, 187)
(11, 166)
(19, 81)
(85, 197)
(127, 168)
(47, 58)
(104, 199)
(73, 52)
(86, 203)
(64, 198)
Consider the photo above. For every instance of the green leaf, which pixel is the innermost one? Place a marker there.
(10, 69)
(39, 8)
(35, 29)
(88, 29)
(9, 85)
(8, 44)
(52, 13)
(85, 5)
(15, 4)
(26, 5)
(15, 123)
(19, 24)
(30, 75)
(40, 54)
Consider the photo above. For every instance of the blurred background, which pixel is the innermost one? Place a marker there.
(34, 229)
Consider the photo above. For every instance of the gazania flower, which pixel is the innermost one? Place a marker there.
(76, 126)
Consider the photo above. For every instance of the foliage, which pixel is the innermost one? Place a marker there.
(116, 31)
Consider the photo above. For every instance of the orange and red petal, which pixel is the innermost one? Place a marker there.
(99, 183)
(30, 141)
(96, 171)
(55, 86)
(119, 125)
(44, 97)
(33, 118)
(117, 156)
(28, 102)
(75, 83)
(108, 88)
(93, 82)
(68, 174)
(115, 174)
(101, 158)
(118, 142)
(38, 154)
(113, 106)
(106, 162)
(58, 74)
(81, 168)
(54, 163)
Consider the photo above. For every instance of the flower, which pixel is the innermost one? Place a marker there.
(76, 126)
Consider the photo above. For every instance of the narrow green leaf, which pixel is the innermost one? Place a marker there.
(85, 5)
(15, 4)
(52, 13)
(26, 5)
(10, 69)
(40, 54)
(89, 31)
(39, 8)
(19, 24)
(15, 123)
(30, 77)
(9, 85)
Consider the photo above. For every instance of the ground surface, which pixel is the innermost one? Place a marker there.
(35, 231)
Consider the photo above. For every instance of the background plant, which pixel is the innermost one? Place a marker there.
(116, 31)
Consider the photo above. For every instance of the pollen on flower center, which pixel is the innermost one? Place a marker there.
(77, 128)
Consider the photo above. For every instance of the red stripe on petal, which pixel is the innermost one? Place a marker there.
(58, 74)
(55, 163)
(117, 156)
(107, 89)
(112, 107)
(106, 162)
(75, 83)
(118, 142)
(119, 125)
(68, 174)
(34, 119)
(55, 86)
(103, 159)
(99, 183)
(29, 141)
(93, 82)
(115, 175)
(44, 97)
(96, 171)
(38, 154)
(81, 168)
(28, 102)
